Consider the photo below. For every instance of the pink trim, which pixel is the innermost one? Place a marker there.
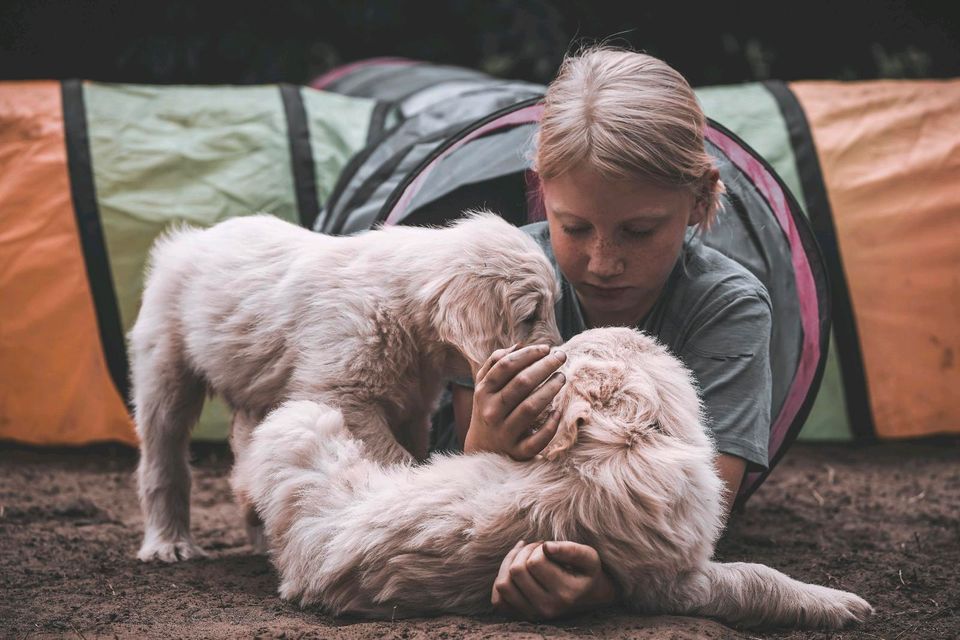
(520, 116)
(806, 287)
(324, 80)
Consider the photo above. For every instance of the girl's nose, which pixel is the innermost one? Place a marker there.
(606, 260)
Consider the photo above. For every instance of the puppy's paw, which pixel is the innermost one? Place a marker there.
(840, 609)
(170, 551)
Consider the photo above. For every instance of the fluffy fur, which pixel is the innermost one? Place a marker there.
(630, 472)
(261, 312)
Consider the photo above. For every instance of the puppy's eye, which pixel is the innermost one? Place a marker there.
(529, 320)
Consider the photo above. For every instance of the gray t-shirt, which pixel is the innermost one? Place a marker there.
(715, 316)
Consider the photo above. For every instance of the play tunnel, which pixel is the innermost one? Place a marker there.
(874, 168)
(486, 164)
(91, 173)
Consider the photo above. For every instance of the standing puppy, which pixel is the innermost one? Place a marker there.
(261, 311)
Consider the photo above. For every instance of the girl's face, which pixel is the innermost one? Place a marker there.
(616, 241)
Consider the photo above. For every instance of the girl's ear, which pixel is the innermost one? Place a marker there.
(575, 415)
(705, 205)
(699, 213)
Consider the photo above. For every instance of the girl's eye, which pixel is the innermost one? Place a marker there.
(575, 231)
(638, 233)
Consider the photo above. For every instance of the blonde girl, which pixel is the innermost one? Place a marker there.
(624, 172)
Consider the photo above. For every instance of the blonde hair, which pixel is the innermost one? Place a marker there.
(627, 115)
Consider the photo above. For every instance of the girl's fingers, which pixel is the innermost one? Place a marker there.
(493, 359)
(520, 559)
(503, 371)
(505, 594)
(520, 576)
(533, 444)
(510, 595)
(519, 421)
(547, 572)
(508, 559)
(503, 575)
(573, 556)
(523, 384)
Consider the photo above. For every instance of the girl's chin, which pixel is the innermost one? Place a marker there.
(611, 310)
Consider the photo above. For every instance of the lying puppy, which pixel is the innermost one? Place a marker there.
(629, 472)
(261, 311)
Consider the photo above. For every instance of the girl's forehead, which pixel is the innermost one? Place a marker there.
(639, 214)
(587, 195)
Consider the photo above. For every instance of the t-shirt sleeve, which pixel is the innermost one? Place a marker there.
(729, 354)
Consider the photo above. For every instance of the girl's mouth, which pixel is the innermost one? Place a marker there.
(605, 293)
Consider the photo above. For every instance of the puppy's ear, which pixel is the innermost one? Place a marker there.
(467, 317)
(575, 414)
(679, 410)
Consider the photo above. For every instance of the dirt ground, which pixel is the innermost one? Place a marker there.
(880, 520)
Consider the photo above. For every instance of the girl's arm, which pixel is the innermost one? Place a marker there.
(731, 469)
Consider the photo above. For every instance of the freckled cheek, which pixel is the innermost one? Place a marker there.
(572, 257)
(645, 265)
(656, 262)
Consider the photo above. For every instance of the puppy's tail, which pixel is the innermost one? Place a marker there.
(295, 455)
(754, 595)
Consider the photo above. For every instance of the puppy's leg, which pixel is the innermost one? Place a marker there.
(368, 424)
(168, 398)
(756, 595)
(241, 431)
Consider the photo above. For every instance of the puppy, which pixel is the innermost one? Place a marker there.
(629, 472)
(261, 311)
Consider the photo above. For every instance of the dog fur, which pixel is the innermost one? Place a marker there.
(261, 312)
(629, 472)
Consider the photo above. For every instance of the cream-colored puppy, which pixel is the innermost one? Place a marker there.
(261, 312)
(629, 472)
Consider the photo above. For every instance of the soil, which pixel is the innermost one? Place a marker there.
(882, 520)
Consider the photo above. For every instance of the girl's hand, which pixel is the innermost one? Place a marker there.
(513, 387)
(543, 581)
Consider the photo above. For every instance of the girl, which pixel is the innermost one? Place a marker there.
(624, 173)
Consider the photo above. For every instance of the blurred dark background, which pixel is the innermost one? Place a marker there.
(184, 41)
